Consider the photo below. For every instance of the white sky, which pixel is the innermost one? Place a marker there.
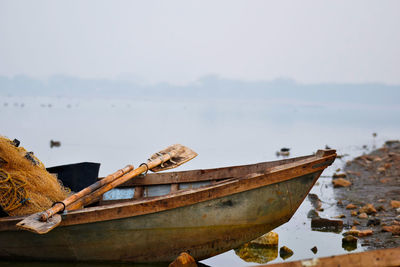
(180, 41)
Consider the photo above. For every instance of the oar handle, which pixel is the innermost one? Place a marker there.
(59, 206)
(90, 198)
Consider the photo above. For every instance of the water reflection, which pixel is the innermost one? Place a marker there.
(250, 252)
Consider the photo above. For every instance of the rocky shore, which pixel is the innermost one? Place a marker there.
(368, 198)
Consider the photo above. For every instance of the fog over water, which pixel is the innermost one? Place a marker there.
(238, 129)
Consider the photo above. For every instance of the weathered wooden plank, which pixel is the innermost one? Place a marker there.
(208, 174)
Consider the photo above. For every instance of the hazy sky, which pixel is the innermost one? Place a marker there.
(180, 41)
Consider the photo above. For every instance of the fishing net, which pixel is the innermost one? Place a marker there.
(25, 185)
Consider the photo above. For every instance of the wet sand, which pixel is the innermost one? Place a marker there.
(375, 180)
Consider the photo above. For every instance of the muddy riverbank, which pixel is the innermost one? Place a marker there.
(367, 191)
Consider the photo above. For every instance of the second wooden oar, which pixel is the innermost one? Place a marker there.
(35, 222)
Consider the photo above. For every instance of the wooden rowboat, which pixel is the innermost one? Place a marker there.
(206, 212)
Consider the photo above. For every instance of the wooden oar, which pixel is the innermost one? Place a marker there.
(43, 222)
(169, 158)
(34, 221)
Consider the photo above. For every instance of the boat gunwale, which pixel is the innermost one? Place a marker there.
(272, 175)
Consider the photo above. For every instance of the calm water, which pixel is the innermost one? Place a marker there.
(117, 132)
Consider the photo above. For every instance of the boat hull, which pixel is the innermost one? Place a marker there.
(205, 229)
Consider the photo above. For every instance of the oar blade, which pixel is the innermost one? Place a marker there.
(180, 154)
(34, 224)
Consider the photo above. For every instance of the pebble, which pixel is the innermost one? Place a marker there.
(314, 250)
(353, 232)
(354, 213)
(395, 204)
(381, 170)
(339, 175)
(183, 260)
(394, 229)
(285, 252)
(340, 182)
(355, 222)
(365, 233)
(368, 209)
(381, 208)
(351, 206)
(363, 216)
(374, 222)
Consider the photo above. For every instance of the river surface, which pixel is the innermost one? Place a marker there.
(116, 132)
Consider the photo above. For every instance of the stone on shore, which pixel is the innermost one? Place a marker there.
(394, 229)
(314, 250)
(368, 209)
(353, 232)
(351, 206)
(340, 182)
(374, 222)
(363, 216)
(339, 175)
(285, 252)
(395, 204)
(365, 233)
(183, 260)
